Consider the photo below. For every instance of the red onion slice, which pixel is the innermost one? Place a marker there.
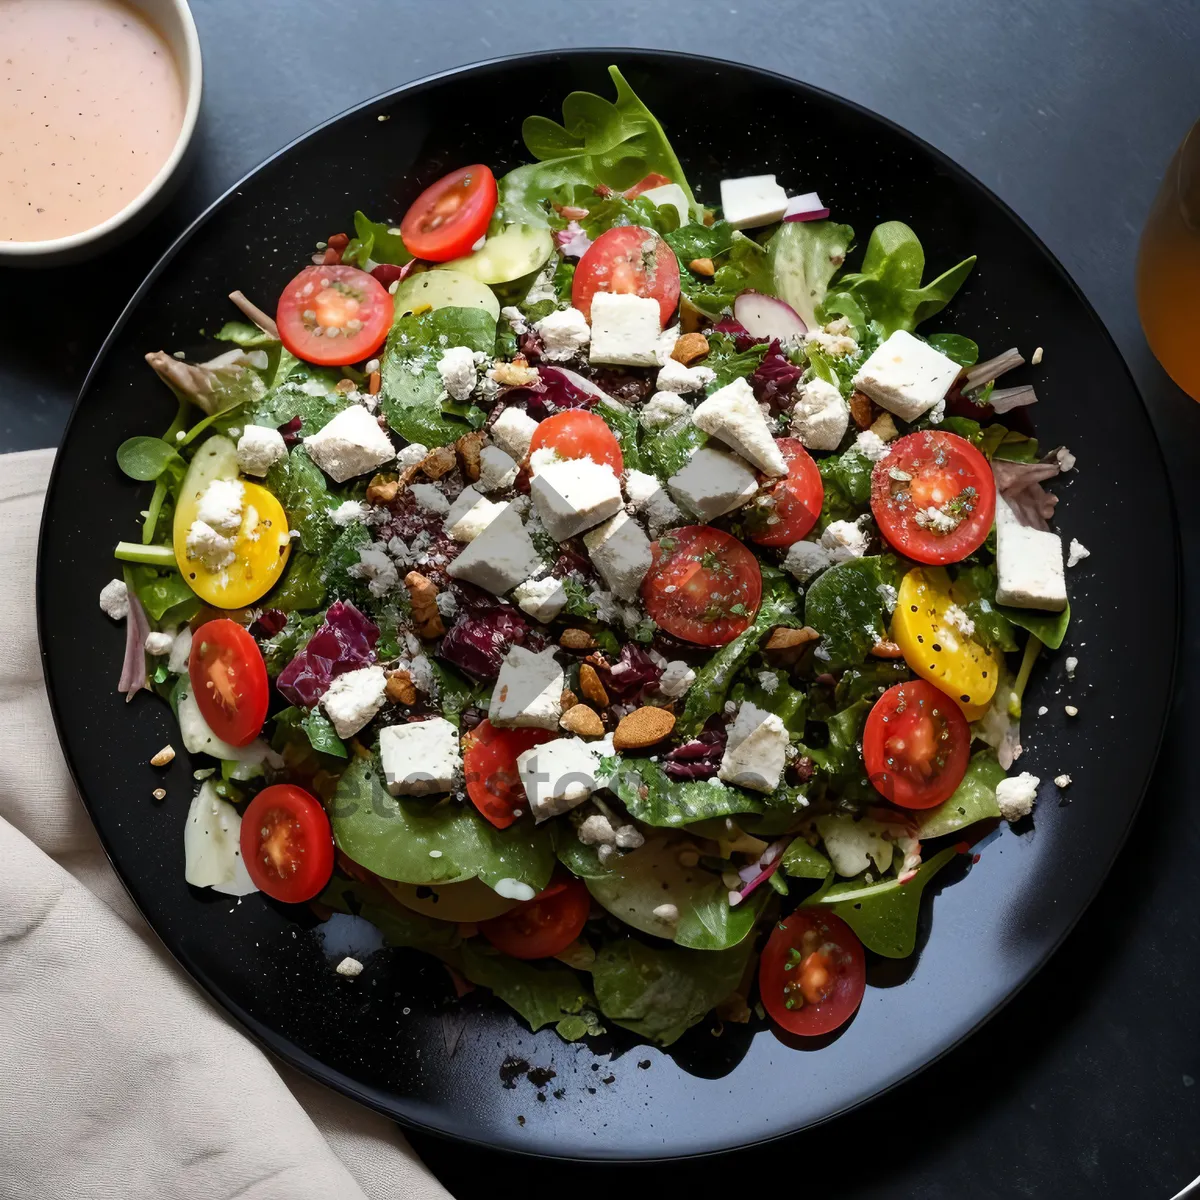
(805, 208)
(772, 856)
(1005, 400)
(133, 669)
(768, 317)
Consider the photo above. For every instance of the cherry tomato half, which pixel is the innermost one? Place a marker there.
(934, 496)
(793, 506)
(543, 926)
(628, 260)
(334, 315)
(813, 973)
(450, 216)
(287, 844)
(916, 745)
(229, 681)
(703, 585)
(579, 434)
(490, 767)
(653, 180)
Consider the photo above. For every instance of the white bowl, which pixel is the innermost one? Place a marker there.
(172, 19)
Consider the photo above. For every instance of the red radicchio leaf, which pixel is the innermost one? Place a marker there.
(291, 431)
(480, 638)
(389, 273)
(774, 382)
(633, 671)
(269, 623)
(698, 759)
(771, 858)
(345, 642)
(133, 669)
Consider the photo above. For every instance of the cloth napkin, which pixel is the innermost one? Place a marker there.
(118, 1079)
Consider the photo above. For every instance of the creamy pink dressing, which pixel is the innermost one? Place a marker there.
(91, 104)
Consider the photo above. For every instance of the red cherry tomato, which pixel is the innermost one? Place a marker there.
(795, 502)
(653, 180)
(579, 434)
(287, 844)
(703, 585)
(916, 745)
(450, 216)
(229, 681)
(629, 260)
(334, 315)
(813, 973)
(490, 767)
(543, 926)
(934, 496)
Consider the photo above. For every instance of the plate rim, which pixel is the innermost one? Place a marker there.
(276, 1045)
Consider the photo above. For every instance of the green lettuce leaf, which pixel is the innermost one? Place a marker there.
(299, 485)
(953, 345)
(654, 798)
(850, 472)
(788, 703)
(624, 424)
(243, 334)
(400, 926)
(617, 210)
(373, 240)
(845, 605)
(974, 799)
(163, 592)
(728, 362)
(804, 257)
(745, 266)
(1050, 628)
(664, 452)
(308, 394)
(802, 861)
(314, 726)
(697, 240)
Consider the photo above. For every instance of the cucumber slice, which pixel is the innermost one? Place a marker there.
(514, 252)
(216, 459)
(472, 900)
(445, 289)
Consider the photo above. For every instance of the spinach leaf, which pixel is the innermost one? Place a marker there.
(302, 585)
(599, 142)
(851, 472)
(974, 591)
(839, 762)
(373, 240)
(869, 681)
(299, 485)
(953, 345)
(624, 424)
(411, 392)
(313, 725)
(307, 394)
(697, 240)
(728, 362)
(455, 692)
(804, 257)
(1050, 628)
(243, 334)
(616, 210)
(400, 926)
(146, 458)
(802, 861)
(582, 861)
(665, 451)
(660, 993)
(746, 266)
(974, 799)
(279, 649)
(884, 914)
(393, 836)
(845, 606)
(778, 696)
(160, 593)
(654, 798)
(341, 556)
(888, 287)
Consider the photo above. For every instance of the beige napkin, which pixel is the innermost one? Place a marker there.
(118, 1079)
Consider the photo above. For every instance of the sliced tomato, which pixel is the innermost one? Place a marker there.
(450, 216)
(653, 180)
(632, 261)
(543, 926)
(703, 585)
(490, 767)
(229, 681)
(793, 506)
(577, 433)
(813, 973)
(934, 496)
(334, 315)
(287, 844)
(916, 745)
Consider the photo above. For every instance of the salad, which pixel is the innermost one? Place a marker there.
(605, 591)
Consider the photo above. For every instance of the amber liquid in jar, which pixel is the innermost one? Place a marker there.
(1168, 269)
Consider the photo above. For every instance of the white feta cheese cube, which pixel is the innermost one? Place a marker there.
(353, 698)
(412, 455)
(221, 505)
(752, 200)
(513, 431)
(906, 376)
(431, 498)
(676, 678)
(351, 444)
(497, 470)
(673, 376)
(662, 409)
(756, 750)
(463, 503)
(821, 416)
(420, 758)
(114, 599)
(651, 502)
(457, 369)
(475, 520)
(713, 482)
(1029, 567)
(844, 540)
(500, 557)
(542, 599)
(574, 494)
(670, 194)
(620, 552)
(528, 691)
(259, 449)
(807, 559)
(560, 774)
(625, 330)
(564, 334)
(732, 414)
(1016, 795)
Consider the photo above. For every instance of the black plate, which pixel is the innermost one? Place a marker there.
(383, 1039)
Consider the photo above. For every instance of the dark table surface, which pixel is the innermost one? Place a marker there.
(1085, 1084)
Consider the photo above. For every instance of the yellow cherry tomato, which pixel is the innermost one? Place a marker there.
(470, 901)
(260, 550)
(936, 648)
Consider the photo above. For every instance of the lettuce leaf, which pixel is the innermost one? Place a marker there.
(400, 926)
(845, 605)
(746, 266)
(804, 256)
(312, 725)
(974, 799)
(654, 798)
(666, 451)
(729, 362)
(375, 241)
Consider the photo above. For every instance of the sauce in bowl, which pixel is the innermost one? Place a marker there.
(91, 106)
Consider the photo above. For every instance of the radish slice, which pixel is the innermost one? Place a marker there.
(805, 208)
(767, 317)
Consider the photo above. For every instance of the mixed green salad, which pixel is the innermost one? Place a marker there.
(607, 592)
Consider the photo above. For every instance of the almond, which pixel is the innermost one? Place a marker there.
(863, 410)
(584, 721)
(438, 462)
(592, 688)
(568, 699)
(783, 638)
(702, 266)
(576, 639)
(643, 727)
(469, 447)
(163, 757)
(689, 348)
(400, 688)
(382, 490)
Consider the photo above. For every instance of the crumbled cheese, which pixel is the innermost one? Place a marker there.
(667, 913)
(663, 409)
(564, 334)
(159, 644)
(377, 569)
(259, 449)
(542, 599)
(573, 495)
(673, 376)
(1065, 459)
(834, 339)
(457, 370)
(844, 540)
(956, 618)
(349, 968)
(620, 552)
(870, 445)
(1077, 553)
(221, 505)
(820, 416)
(676, 678)
(515, 319)
(713, 482)
(353, 698)
(768, 681)
(349, 512)
(1015, 795)
(756, 750)
(412, 455)
(648, 499)
(512, 431)
(597, 831)
(208, 547)
(1042, 711)
(629, 837)
(1062, 782)
(807, 559)
(114, 600)
(431, 498)
(502, 555)
(497, 469)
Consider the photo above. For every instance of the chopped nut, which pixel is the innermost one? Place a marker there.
(885, 648)
(709, 216)
(374, 383)
(514, 374)
(584, 721)
(382, 490)
(400, 688)
(468, 447)
(576, 639)
(163, 757)
(702, 266)
(568, 699)
(159, 793)
(884, 427)
(863, 410)
(689, 348)
(344, 386)
(439, 462)
(426, 615)
(592, 688)
(643, 727)
(783, 638)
